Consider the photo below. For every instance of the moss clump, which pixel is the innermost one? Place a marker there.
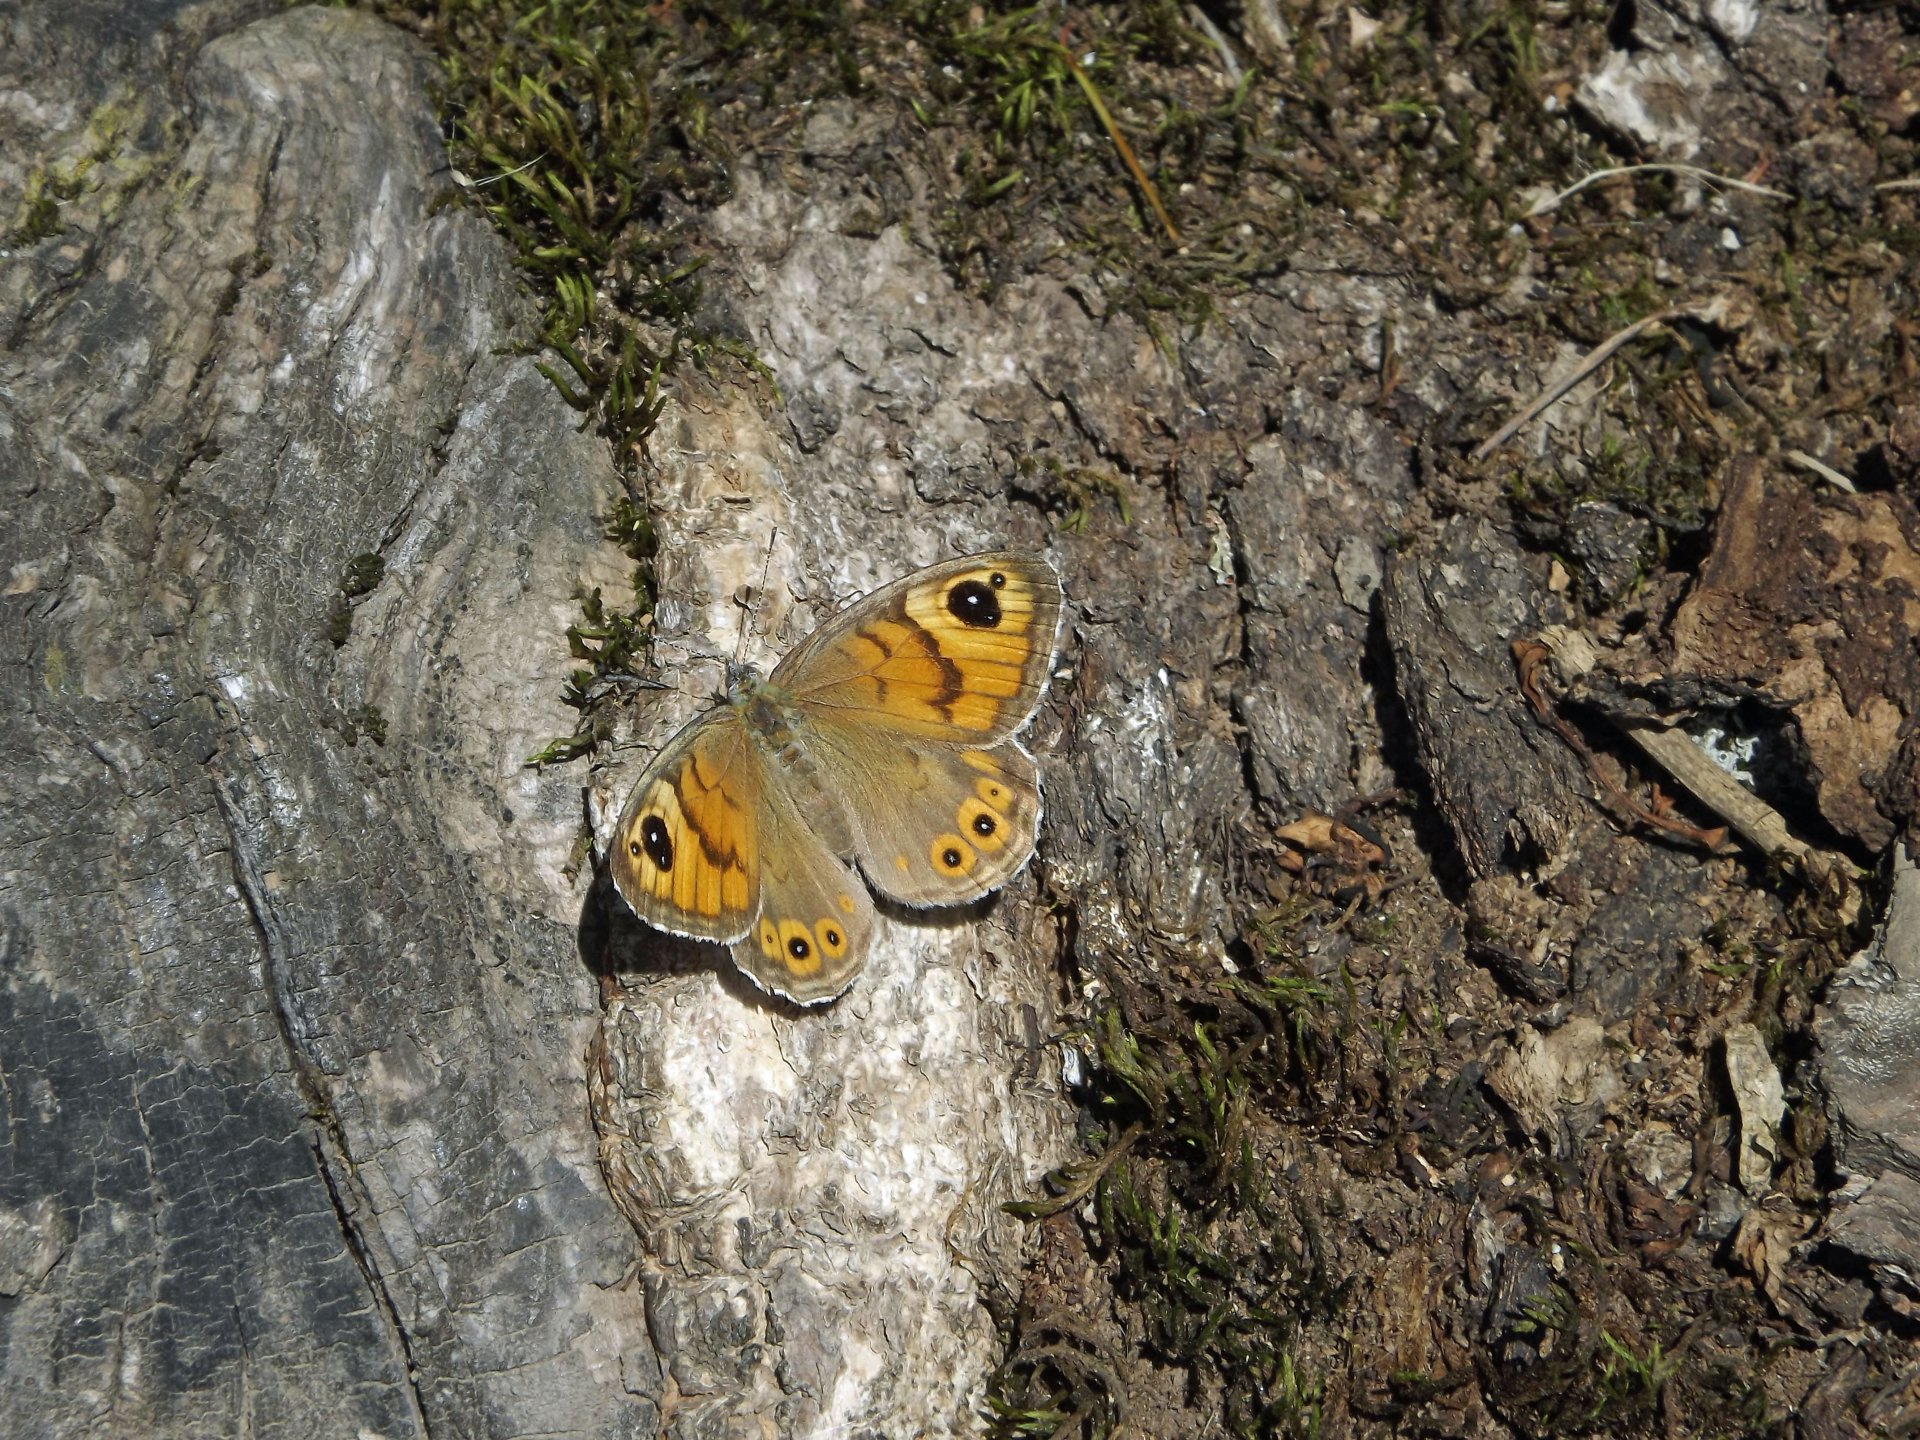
(364, 720)
(576, 128)
(359, 577)
(46, 188)
(1183, 1196)
(362, 575)
(612, 642)
(339, 623)
(1071, 491)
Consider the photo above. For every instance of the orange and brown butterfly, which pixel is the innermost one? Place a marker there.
(883, 740)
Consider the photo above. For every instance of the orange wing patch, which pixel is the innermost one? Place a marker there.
(980, 628)
(959, 651)
(691, 843)
(687, 856)
(960, 654)
(744, 827)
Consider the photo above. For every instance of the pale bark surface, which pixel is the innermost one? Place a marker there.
(820, 1195)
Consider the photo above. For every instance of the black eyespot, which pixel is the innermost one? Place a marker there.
(798, 947)
(972, 603)
(950, 858)
(984, 825)
(658, 843)
(830, 935)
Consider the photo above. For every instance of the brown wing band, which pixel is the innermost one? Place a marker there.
(952, 682)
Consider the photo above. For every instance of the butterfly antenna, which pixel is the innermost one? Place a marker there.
(751, 600)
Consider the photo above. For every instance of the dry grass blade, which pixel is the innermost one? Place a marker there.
(1120, 143)
(1589, 363)
(1553, 202)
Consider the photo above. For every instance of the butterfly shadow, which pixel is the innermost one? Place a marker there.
(935, 917)
(619, 949)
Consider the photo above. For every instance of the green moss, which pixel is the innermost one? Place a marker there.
(1672, 490)
(611, 642)
(1066, 1387)
(364, 720)
(38, 213)
(1070, 491)
(575, 130)
(339, 623)
(360, 576)
(1632, 1382)
(1203, 1237)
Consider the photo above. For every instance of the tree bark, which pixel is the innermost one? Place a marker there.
(341, 1097)
(293, 1017)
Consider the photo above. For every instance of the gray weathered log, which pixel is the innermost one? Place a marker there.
(305, 911)
(1869, 1045)
(293, 1020)
(302, 1043)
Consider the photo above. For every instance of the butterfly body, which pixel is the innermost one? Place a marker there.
(883, 741)
(775, 725)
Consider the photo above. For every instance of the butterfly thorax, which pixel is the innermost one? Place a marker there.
(767, 711)
(770, 714)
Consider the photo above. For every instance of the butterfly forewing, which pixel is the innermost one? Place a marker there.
(958, 652)
(687, 851)
(885, 736)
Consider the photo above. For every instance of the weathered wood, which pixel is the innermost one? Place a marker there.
(293, 1014)
(1509, 788)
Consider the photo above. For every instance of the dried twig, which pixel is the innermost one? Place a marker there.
(1758, 823)
(1833, 477)
(1553, 202)
(1589, 363)
(1528, 656)
(1204, 24)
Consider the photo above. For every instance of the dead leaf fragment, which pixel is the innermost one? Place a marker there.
(1761, 1101)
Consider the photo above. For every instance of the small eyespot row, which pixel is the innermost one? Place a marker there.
(952, 855)
(791, 945)
(982, 816)
(833, 939)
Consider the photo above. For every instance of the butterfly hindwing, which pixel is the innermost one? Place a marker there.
(816, 917)
(885, 737)
(934, 824)
(687, 852)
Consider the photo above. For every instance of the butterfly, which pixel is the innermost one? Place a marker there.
(884, 741)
